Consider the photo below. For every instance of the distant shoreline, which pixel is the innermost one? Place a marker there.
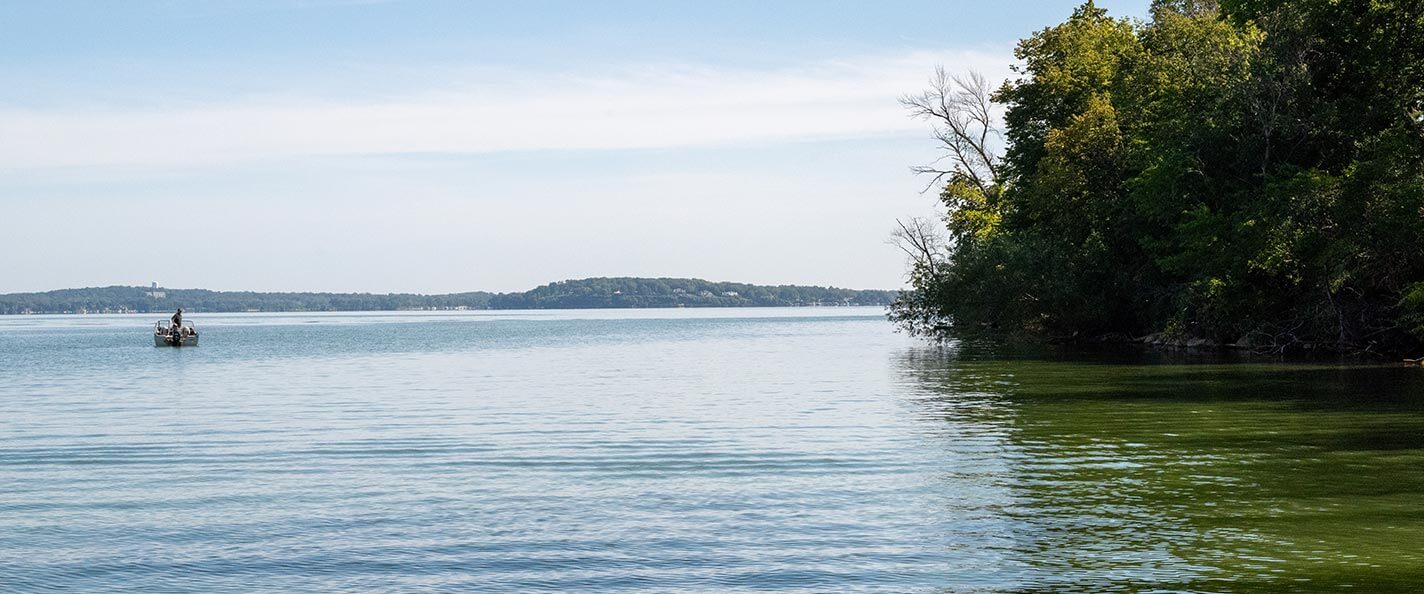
(188, 311)
(590, 293)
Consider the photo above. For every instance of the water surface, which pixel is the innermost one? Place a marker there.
(685, 450)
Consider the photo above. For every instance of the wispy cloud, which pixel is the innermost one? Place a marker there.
(639, 108)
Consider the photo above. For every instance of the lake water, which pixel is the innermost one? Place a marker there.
(685, 450)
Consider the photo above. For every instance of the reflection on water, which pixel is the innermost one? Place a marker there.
(687, 451)
(1194, 476)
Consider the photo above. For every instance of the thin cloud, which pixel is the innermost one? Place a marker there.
(648, 108)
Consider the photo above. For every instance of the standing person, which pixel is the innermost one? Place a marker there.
(177, 318)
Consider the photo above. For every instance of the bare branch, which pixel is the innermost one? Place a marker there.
(922, 241)
(961, 109)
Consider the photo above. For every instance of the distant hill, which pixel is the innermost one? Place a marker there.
(572, 294)
(679, 292)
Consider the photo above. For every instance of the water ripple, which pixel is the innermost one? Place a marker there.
(717, 454)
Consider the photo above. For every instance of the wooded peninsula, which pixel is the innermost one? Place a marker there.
(572, 294)
(1247, 172)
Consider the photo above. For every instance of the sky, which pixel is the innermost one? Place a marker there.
(434, 146)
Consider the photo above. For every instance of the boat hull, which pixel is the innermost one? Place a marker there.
(160, 340)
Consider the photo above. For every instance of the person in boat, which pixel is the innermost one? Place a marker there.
(175, 330)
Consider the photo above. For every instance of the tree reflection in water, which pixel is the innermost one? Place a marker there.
(1130, 471)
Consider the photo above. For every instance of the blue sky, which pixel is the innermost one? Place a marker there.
(449, 146)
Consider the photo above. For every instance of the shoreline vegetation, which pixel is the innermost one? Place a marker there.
(588, 293)
(1235, 172)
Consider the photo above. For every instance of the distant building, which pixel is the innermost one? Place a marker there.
(155, 293)
(729, 293)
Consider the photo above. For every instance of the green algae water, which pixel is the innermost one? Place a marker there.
(790, 450)
(1191, 476)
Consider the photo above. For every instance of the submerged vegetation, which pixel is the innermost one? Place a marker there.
(1247, 172)
(585, 293)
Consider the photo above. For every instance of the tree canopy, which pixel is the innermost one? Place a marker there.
(1248, 171)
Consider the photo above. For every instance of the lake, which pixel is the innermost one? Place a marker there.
(793, 450)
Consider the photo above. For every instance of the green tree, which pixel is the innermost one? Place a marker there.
(1252, 169)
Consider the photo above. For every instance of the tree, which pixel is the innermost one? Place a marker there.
(1254, 168)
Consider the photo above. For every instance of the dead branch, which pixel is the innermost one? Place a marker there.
(962, 111)
(922, 241)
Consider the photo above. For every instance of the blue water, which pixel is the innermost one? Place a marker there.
(492, 452)
(794, 450)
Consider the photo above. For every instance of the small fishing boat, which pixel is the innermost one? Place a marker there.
(175, 335)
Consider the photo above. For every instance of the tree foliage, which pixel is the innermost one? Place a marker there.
(1249, 169)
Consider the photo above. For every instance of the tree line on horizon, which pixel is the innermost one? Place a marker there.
(1244, 172)
(572, 294)
(680, 292)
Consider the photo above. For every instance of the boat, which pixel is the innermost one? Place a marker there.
(173, 335)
